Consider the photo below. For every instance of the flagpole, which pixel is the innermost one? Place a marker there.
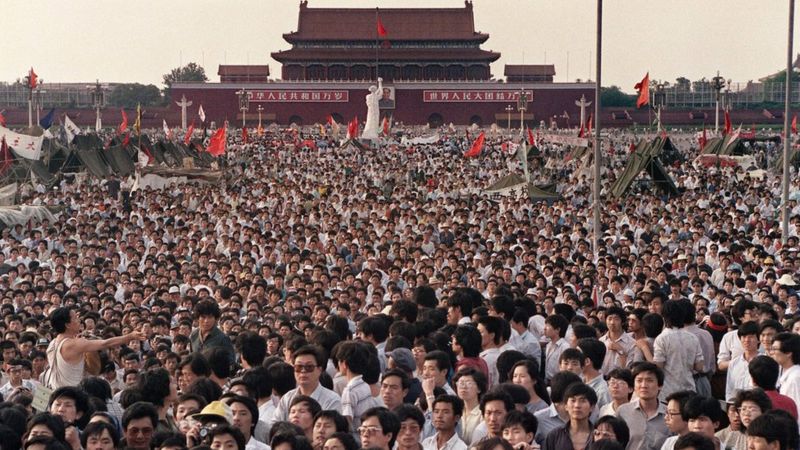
(596, 181)
(377, 39)
(787, 132)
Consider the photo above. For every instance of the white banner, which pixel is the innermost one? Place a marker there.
(29, 147)
(71, 129)
(565, 140)
(420, 140)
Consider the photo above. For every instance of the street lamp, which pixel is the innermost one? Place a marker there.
(98, 95)
(38, 98)
(509, 108)
(244, 105)
(260, 108)
(717, 83)
(522, 106)
(659, 99)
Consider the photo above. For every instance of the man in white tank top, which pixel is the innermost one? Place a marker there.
(65, 355)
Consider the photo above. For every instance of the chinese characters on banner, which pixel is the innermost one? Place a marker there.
(472, 95)
(305, 96)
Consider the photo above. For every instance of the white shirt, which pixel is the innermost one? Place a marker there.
(254, 444)
(454, 443)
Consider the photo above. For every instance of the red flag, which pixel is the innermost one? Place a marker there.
(150, 158)
(33, 79)
(189, 133)
(260, 130)
(794, 124)
(632, 148)
(381, 29)
(702, 141)
(589, 125)
(330, 120)
(244, 135)
(581, 131)
(2, 120)
(385, 126)
(644, 91)
(477, 146)
(216, 145)
(727, 129)
(531, 140)
(5, 156)
(352, 128)
(127, 140)
(124, 125)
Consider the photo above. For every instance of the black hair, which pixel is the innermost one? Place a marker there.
(694, 441)
(653, 325)
(757, 396)
(505, 361)
(681, 397)
(237, 435)
(339, 421)
(645, 366)
(96, 429)
(518, 393)
(313, 405)
(59, 319)
(282, 375)
(252, 347)
(354, 354)
(374, 326)
(154, 386)
(258, 381)
(497, 394)
(197, 363)
(749, 328)
(469, 339)
(571, 354)
(764, 372)
(250, 404)
(775, 426)
(219, 360)
(622, 374)
(559, 323)
(532, 368)
(492, 444)
(494, 325)
(789, 343)
(80, 398)
(347, 440)
(388, 420)
(478, 376)
(593, 349)
(621, 430)
(407, 411)
(140, 410)
(674, 313)
(559, 384)
(441, 358)
(699, 405)
(206, 308)
(454, 401)
(205, 388)
(96, 387)
(524, 419)
(581, 389)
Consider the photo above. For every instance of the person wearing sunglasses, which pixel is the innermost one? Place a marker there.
(308, 362)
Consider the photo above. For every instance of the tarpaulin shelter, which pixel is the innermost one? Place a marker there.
(88, 150)
(645, 159)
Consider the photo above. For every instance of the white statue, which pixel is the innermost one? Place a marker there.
(373, 124)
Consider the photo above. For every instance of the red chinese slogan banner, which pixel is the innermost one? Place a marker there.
(282, 95)
(473, 95)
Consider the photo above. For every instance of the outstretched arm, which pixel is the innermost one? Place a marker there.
(77, 346)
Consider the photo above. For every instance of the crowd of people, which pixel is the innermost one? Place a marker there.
(338, 298)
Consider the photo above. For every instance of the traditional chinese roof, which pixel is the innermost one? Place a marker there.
(253, 70)
(417, 24)
(530, 70)
(384, 55)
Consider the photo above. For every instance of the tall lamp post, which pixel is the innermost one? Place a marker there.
(260, 109)
(522, 106)
(509, 108)
(30, 99)
(37, 99)
(244, 105)
(659, 98)
(98, 95)
(717, 83)
(787, 132)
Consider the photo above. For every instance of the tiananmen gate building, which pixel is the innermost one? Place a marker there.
(433, 68)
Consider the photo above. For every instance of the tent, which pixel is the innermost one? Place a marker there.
(645, 159)
(514, 184)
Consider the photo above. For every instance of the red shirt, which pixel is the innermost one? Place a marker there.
(780, 401)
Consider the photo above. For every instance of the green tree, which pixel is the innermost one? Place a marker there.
(187, 73)
(780, 77)
(130, 94)
(683, 84)
(613, 96)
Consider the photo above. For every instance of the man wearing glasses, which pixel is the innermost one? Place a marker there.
(308, 363)
(379, 428)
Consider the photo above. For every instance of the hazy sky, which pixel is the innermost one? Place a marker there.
(139, 41)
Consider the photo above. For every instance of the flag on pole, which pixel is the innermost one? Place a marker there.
(188, 137)
(2, 120)
(33, 79)
(124, 125)
(385, 126)
(5, 156)
(644, 91)
(703, 139)
(477, 147)
(216, 145)
(352, 128)
(245, 137)
(531, 139)
(381, 29)
(334, 126)
(127, 140)
(202, 114)
(47, 121)
(137, 125)
(28, 147)
(589, 125)
(581, 132)
(70, 128)
(728, 127)
(167, 131)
